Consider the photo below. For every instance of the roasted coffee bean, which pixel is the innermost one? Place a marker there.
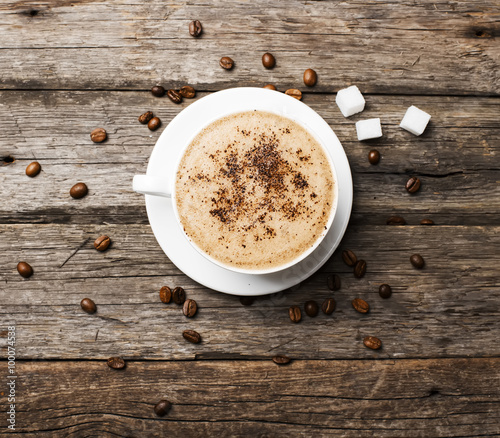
(417, 261)
(311, 308)
(195, 28)
(374, 156)
(154, 123)
(88, 305)
(102, 243)
(179, 295)
(349, 257)
(174, 96)
(79, 190)
(295, 314)
(372, 342)
(162, 408)
(146, 117)
(426, 222)
(360, 305)
(117, 363)
(33, 169)
(396, 220)
(413, 185)
(385, 291)
(281, 360)
(187, 92)
(333, 282)
(226, 63)
(191, 336)
(328, 306)
(270, 87)
(268, 60)
(98, 135)
(310, 77)
(165, 294)
(158, 91)
(293, 92)
(247, 301)
(25, 270)
(360, 269)
(189, 309)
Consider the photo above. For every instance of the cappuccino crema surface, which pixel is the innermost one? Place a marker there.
(254, 190)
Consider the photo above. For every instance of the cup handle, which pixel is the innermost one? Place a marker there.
(151, 186)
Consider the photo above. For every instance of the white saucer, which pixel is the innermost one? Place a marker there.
(166, 155)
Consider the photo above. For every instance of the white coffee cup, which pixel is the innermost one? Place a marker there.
(162, 184)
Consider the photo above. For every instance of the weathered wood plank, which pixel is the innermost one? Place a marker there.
(445, 310)
(404, 398)
(387, 47)
(456, 157)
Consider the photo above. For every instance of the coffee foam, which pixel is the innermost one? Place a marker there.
(254, 190)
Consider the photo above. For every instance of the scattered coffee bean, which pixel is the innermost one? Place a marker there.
(158, 91)
(374, 156)
(146, 117)
(162, 408)
(281, 360)
(189, 309)
(426, 222)
(360, 305)
(98, 135)
(417, 261)
(179, 295)
(396, 220)
(88, 305)
(226, 63)
(270, 87)
(33, 169)
(154, 123)
(310, 77)
(174, 96)
(385, 291)
(360, 269)
(79, 190)
(295, 314)
(413, 185)
(187, 92)
(117, 363)
(293, 92)
(25, 270)
(333, 282)
(268, 60)
(328, 306)
(102, 243)
(372, 342)
(165, 294)
(195, 28)
(191, 336)
(311, 308)
(349, 257)
(247, 301)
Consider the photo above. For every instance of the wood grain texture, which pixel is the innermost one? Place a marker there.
(455, 157)
(425, 47)
(448, 309)
(404, 398)
(69, 66)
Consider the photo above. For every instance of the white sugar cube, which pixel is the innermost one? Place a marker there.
(350, 101)
(369, 128)
(415, 120)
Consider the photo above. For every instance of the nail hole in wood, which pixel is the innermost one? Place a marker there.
(8, 159)
(33, 12)
(479, 33)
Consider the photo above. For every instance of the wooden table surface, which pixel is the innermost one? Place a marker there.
(69, 66)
